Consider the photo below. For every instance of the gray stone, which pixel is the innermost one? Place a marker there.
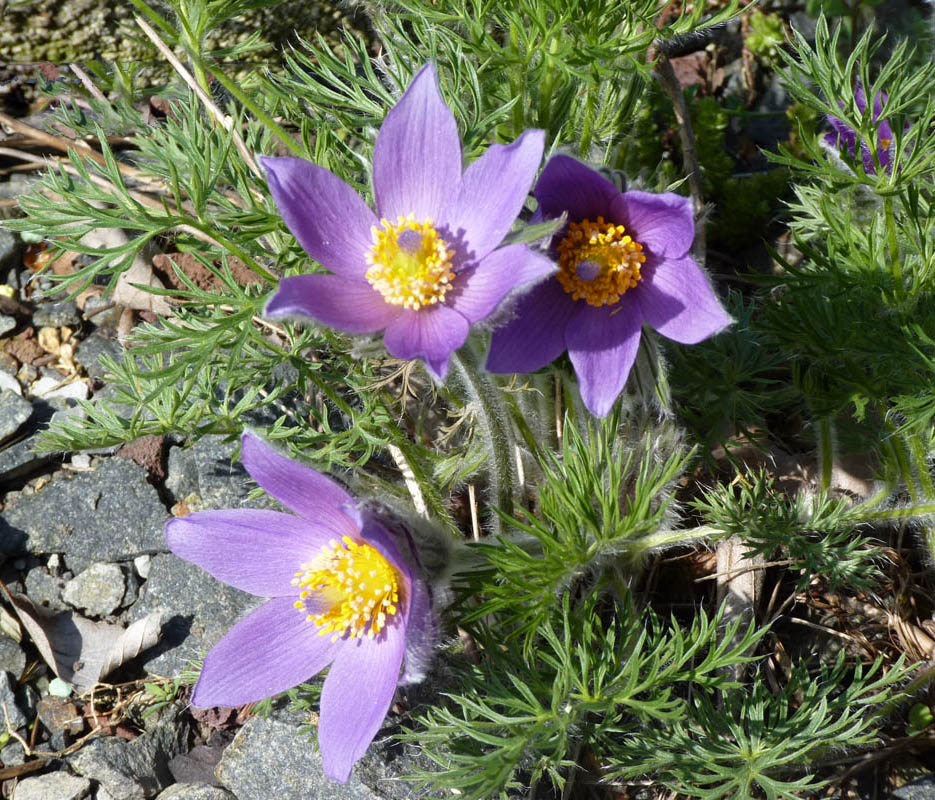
(110, 514)
(7, 323)
(14, 411)
(12, 657)
(53, 786)
(13, 754)
(269, 759)
(20, 459)
(102, 311)
(10, 702)
(99, 590)
(195, 791)
(44, 589)
(206, 471)
(385, 764)
(8, 381)
(197, 610)
(50, 388)
(88, 353)
(10, 247)
(56, 315)
(921, 789)
(135, 770)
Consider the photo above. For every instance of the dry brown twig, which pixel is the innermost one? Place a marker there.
(222, 119)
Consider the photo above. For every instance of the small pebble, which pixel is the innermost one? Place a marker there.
(27, 373)
(56, 314)
(98, 590)
(142, 565)
(7, 324)
(49, 388)
(81, 461)
(7, 381)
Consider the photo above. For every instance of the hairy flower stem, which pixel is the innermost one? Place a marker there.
(915, 472)
(479, 390)
(251, 105)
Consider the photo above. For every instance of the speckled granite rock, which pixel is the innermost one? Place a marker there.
(110, 514)
(136, 770)
(53, 786)
(269, 758)
(195, 791)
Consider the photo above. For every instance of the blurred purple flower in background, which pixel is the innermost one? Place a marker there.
(344, 591)
(425, 267)
(623, 261)
(844, 137)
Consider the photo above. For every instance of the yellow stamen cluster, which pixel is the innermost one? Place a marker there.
(410, 264)
(362, 584)
(598, 261)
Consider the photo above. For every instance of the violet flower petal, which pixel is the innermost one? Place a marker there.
(299, 488)
(267, 652)
(329, 219)
(662, 223)
(481, 288)
(431, 333)
(255, 550)
(492, 192)
(676, 300)
(568, 185)
(417, 155)
(364, 668)
(353, 306)
(536, 334)
(602, 344)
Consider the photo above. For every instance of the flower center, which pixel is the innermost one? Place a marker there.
(410, 264)
(362, 585)
(598, 261)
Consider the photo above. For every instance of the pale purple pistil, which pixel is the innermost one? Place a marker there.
(587, 270)
(410, 241)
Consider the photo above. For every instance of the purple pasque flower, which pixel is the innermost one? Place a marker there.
(623, 260)
(344, 589)
(844, 137)
(425, 266)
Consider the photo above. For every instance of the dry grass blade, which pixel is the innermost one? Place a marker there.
(222, 119)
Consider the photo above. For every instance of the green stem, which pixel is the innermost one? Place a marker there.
(548, 87)
(670, 538)
(235, 250)
(907, 512)
(516, 81)
(479, 391)
(896, 266)
(274, 127)
(825, 451)
(434, 502)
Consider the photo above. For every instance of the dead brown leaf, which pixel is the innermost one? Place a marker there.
(127, 292)
(80, 650)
